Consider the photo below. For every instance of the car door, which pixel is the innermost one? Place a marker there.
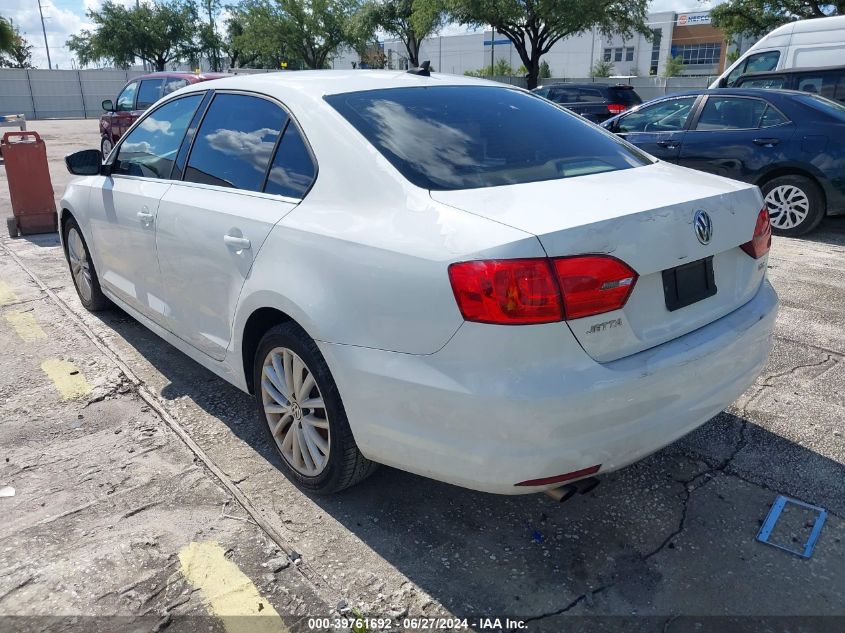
(657, 128)
(736, 137)
(122, 117)
(123, 207)
(212, 225)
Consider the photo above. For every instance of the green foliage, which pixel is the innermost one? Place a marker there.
(674, 66)
(409, 20)
(7, 35)
(501, 68)
(157, 33)
(534, 26)
(208, 43)
(18, 54)
(601, 69)
(758, 17)
(303, 33)
(545, 70)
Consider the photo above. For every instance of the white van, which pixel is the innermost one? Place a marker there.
(801, 44)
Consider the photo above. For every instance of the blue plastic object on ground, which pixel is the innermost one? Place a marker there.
(769, 524)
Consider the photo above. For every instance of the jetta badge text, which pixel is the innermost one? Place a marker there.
(703, 226)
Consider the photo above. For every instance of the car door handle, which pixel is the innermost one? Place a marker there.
(767, 142)
(669, 144)
(237, 243)
(145, 217)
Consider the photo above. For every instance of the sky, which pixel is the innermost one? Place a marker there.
(63, 18)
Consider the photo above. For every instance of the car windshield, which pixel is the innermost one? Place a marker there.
(464, 137)
(834, 109)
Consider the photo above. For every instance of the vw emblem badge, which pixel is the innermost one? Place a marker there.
(703, 226)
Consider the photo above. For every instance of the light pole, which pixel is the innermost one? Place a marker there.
(44, 31)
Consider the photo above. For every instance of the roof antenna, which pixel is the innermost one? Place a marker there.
(422, 70)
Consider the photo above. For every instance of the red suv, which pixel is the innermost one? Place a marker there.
(138, 95)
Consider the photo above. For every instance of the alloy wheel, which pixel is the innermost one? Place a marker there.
(80, 267)
(295, 411)
(788, 206)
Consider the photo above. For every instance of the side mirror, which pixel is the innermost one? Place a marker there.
(108, 106)
(88, 162)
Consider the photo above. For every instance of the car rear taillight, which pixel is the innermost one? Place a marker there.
(540, 290)
(508, 292)
(761, 242)
(616, 108)
(592, 284)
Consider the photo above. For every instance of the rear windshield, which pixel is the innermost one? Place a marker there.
(832, 108)
(464, 137)
(626, 96)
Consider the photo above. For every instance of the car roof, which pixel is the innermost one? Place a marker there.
(564, 84)
(315, 84)
(738, 92)
(180, 73)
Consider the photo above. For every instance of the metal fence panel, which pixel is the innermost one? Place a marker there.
(15, 97)
(57, 93)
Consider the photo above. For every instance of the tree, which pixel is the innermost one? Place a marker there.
(545, 70)
(208, 42)
(7, 35)
(19, 53)
(601, 68)
(157, 32)
(409, 20)
(758, 17)
(674, 66)
(534, 26)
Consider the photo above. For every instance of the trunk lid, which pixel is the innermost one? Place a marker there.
(644, 217)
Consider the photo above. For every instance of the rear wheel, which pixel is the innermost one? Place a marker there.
(82, 269)
(303, 414)
(795, 204)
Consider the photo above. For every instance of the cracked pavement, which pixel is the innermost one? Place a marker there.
(656, 546)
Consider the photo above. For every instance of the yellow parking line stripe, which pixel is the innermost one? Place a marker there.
(26, 326)
(68, 380)
(7, 295)
(227, 592)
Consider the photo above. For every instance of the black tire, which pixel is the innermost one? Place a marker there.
(97, 301)
(103, 149)
(346, 465)
(12, 226)
(782, 215)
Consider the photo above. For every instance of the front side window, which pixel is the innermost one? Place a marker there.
(148, 93)
(759, 63)
(292, 171)
(731, 113)
(463, 137)
(235, 142)
(126, 98)
(666, 116)
(150, 149)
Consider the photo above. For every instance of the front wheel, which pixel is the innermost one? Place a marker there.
(106, 146)
(303, 414)
(82, 269)
(795, 203)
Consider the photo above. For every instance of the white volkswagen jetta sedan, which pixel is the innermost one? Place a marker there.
(446, 275)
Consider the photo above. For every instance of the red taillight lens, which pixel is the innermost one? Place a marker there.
(616, 108)
(522, 291)
(509, 292)
(761, 242)
(592, 284)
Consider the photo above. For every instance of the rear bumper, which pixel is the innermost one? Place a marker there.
(500, 405)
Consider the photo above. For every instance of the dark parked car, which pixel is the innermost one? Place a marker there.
(138, 95)
(595, 102)
(791, 144)
(827, 82)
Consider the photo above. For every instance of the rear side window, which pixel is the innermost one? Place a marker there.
(126, 99)
(235, 141)
(292, 171)
(772, 117)
(830, 85)
(591, 95)
(625, 96)
(150, 149)
(731, 113)
(762, 82)
(148, 93)
(172, 84)
(463, 137)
